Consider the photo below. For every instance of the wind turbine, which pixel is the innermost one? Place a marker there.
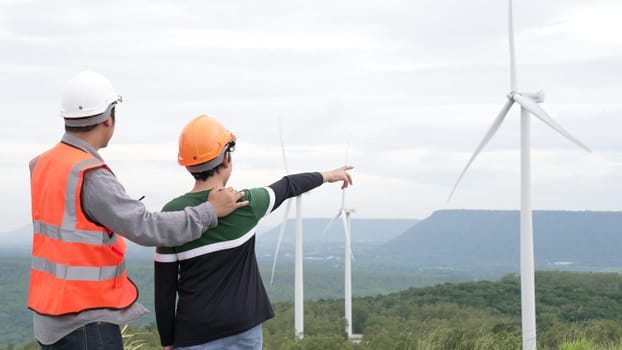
(529, 105)
(344, 213)
(298, 277)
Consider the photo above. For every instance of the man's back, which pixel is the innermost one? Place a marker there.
(216, 276)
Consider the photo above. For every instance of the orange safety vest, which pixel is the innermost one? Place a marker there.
(76, 264)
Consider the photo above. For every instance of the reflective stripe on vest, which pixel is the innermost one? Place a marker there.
(76, 236)
(76, 264)
(77, 273)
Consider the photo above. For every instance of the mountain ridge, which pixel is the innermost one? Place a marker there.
(455, 238)
(492, 236)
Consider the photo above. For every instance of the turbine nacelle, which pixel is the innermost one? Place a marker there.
(537, 97)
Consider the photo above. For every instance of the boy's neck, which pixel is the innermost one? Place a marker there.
(208, 184)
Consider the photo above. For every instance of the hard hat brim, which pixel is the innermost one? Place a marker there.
(90, 120)
(209, 165)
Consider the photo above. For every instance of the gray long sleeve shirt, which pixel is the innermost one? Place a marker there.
(105, 201)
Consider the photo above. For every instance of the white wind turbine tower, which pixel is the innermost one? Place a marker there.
(298, 277)
(344, 213)
(528, 103)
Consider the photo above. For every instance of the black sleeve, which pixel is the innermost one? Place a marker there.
(165, 283)
(294, 185)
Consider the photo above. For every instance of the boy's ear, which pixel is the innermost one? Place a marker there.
(227, 160)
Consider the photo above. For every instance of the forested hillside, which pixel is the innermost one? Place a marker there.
(449, 246)
(323, 280)
(574, 311)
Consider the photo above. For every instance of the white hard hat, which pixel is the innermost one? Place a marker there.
(87, 94)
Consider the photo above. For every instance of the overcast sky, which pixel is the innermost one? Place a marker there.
(413, 84)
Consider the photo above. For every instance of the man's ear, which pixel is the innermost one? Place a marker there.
(108, 122)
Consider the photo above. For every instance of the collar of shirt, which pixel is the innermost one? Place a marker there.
(81, 144)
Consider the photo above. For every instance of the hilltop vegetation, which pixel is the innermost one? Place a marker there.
(574, 311)
(323, 280)
(399, 275)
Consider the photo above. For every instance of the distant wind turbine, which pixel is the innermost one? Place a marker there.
(529, 105)
(344, 213)
(298, 277)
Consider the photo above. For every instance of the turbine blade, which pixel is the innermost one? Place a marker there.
(512, 53)
(489, 134)
(343, 191)
(533, 108)
(330, 223)
(283, 147)
(348, 149)
(278, 242)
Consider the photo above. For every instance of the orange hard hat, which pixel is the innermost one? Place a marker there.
(203, 143)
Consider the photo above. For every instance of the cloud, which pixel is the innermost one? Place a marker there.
(413, 86)
(586, 22)
(299, 41)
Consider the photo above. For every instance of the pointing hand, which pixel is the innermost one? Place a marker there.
(339, 174)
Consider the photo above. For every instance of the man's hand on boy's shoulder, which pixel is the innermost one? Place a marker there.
(225, 200)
